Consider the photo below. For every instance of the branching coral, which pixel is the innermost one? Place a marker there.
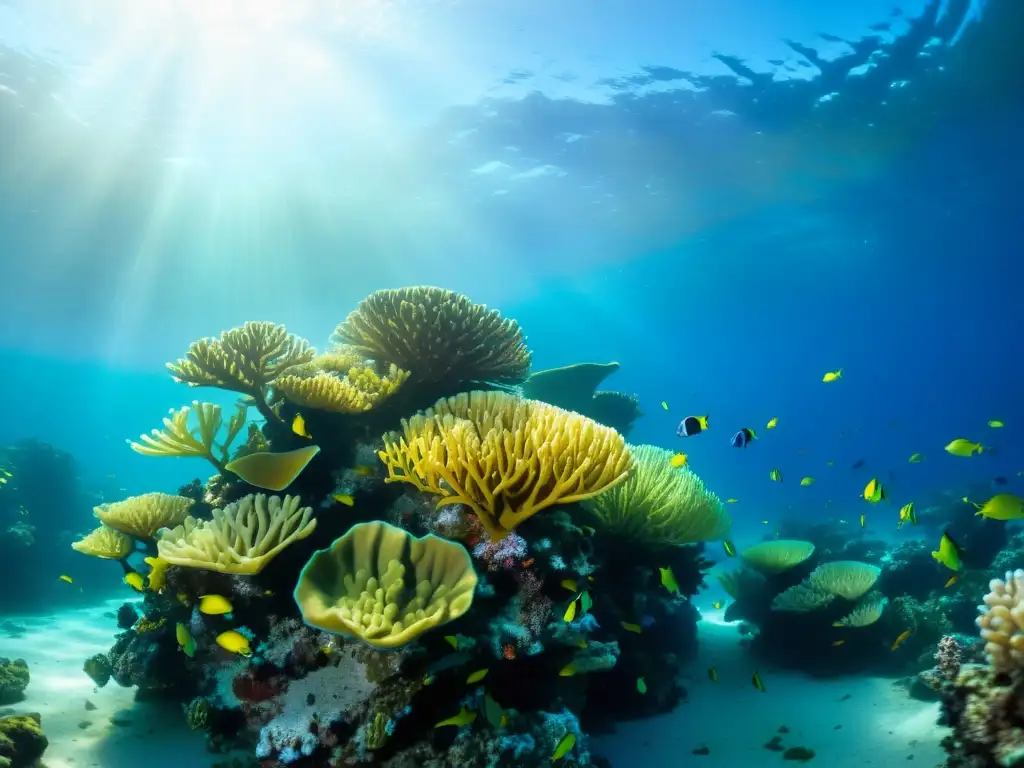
(142, 516)
(245, 360)
(504, 457)
(242, 538)
(1002, 621)
(660, 505)
(358, 586)
(438, 335)
(177, 439)
(359, 391)
(105, 543)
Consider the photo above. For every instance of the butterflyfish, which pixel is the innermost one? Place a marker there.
(272, 471)
(477, 676)
(134, 580)
(907, 515)
(570, 613)
(188, 645)
(641, 685)
(1005, 506)
(903, 636)
(963, 447)
(757, 682)
(873, 491)
(949, 553)
(66, 578)
(678, 460)
(235, 642)
(635, 628)
(772, 423)
(743, 438)
(776, 475)
(832, 376)
(214, 605)
(465, 717)
(996, 423)
(807, 481)
(299, 426)
(668, 580)
(344, 498)
(564, 746)
(692, 425)
(915, 458)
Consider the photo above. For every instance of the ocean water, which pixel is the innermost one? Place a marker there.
(729, 200)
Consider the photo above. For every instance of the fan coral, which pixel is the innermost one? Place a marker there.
(802, 598)
(357, 392)
(660, 505)
(242, 538)
(504, 457)
(142, 516)
(438, 335)
(866, 613)
(846, 578)
(176, 439)
(778, 555)
(105, 543)
(244, 360)
(1002, 621)
(358, 586)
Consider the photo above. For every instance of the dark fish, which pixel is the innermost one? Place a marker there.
(999, 480)
(858, 464)
(882, 26)
(692, 425)
(742, 438)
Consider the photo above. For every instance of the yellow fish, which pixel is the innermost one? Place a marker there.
(134, 580)
(344, 498)
(465, 717)
(570, 584)
(678, 460)
(234, 641)
(452, 640)
(807, 481)
(570, 613)
(729, 547)
(948, 553)
(214, 605)
(863, 520)
(873, 491)
(776, 475)
(6, 473)
(996, 424)
(631, 627)
(641, 685)
(66, 578)
(772, 423)
(428, 679)
(837, 643)
(915, 458)
(272, 471)
(832, 376)
(477, 676)
(1005, 506)
(668, 580)
(731, 501)
(363, 471)
(568, 670)
(712, 674)
(757, 682)
(903, 636)
(157, 578)
(299, 426)
(664, 405)
(717, 605)
(3, 481)
(564, 746)
(952, 580)
(188, 645)
(907, 515)
(963, 447)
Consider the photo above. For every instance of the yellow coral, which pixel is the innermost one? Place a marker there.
(242, 538)
(438, 335)
(1002, 622)
(245, 360)
(340, 360)
(866, 613)
(106, 543)
(660, 505)
(142, 516)
(802, 598)
(505, 457)
(357, 392)
(848, 579)
(778, 555)
(146, 624)
(176, 439)
(358, 587)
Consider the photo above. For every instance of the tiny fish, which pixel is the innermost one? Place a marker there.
(66, 578)
(717, 605)
(996, 424)
(949, 553)
(568, 670)
(185, 641)
(772, 423)
(299, 426)
(907, 515)
(837, 643)
(807, 481)
(857, 464)
(952, 580)
(903, 636)
(832, 376)
(452, 640)
(731, 501)
(641, 686)
(963, 447)
(363, 471)
(678, 460)
(776, 475)
(915, 458)
(631, 627)
(729, 547)
(757, 682)
(585, 602)
(570, 584)
(477, 676)
(863, 520)
(873, 491)
(742, 438)
(712, 674)
(564, 746)
(692, 425)
(214, 605)
(664, 405)
(668, 580)
(465, 717)
(344, 498)
(235, 642)
(428, 679)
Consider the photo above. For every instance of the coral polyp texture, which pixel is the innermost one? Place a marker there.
(504, 457)
(865, 613)
(660, 505)
(142, 516)
(437, 335)
(1002, 621)
(242, 538)
(105, 543)
(245, 360)
(848, 579)
(360, 390)
(178, 439)
(778, 555)
(384, 586)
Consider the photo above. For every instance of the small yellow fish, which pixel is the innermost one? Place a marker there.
(807, 481)
(235, 642)
(344, 498)
(863, 520)
(832, 376)
(907, 515)
(631, 627)
(6, 473)
(568, 670)
(837, 643)
(452, 640)
(952, 580)
(477, 676)
(428, 679)
(903, 636)
(729, 547)
(299, 426)
(3, 481)
(564, 746)
(268, 593)
(678, 460)
(772, 422)
(776, 475)
(1005, 506)
(66, 578)
(712, 674)
(570, 584)
(570, 613)
(757, 682)
(465, 717)
(948, 553)
(963, 447)
(641, 685)
(664, 405)
(668, 580)
(731, 501)
(915, 458)
(873, 491)
(188, 645)
(996, 424)
(134, 580)
(214, 605)
(717, 605)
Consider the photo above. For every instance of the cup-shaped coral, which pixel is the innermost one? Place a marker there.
(384, 586)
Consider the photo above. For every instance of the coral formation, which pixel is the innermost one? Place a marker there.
(361, 389)
(1002, 621)
(142, 516)
(777, 555)
(22, 742)
(106, 543)
(179, 440)
(14, 679)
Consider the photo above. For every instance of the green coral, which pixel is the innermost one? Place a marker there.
(197, 714)
(376, 731)
(22, 742)
(13, 680)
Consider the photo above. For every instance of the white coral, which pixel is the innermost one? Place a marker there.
(1002, 621)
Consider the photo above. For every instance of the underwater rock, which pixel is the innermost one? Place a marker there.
(127, 616)
(926, 685)
(800, 754)
(22, 742)
(13, 680)
(98, 668)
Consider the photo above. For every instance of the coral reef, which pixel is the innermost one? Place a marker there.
(22, 742)
(14, 678)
